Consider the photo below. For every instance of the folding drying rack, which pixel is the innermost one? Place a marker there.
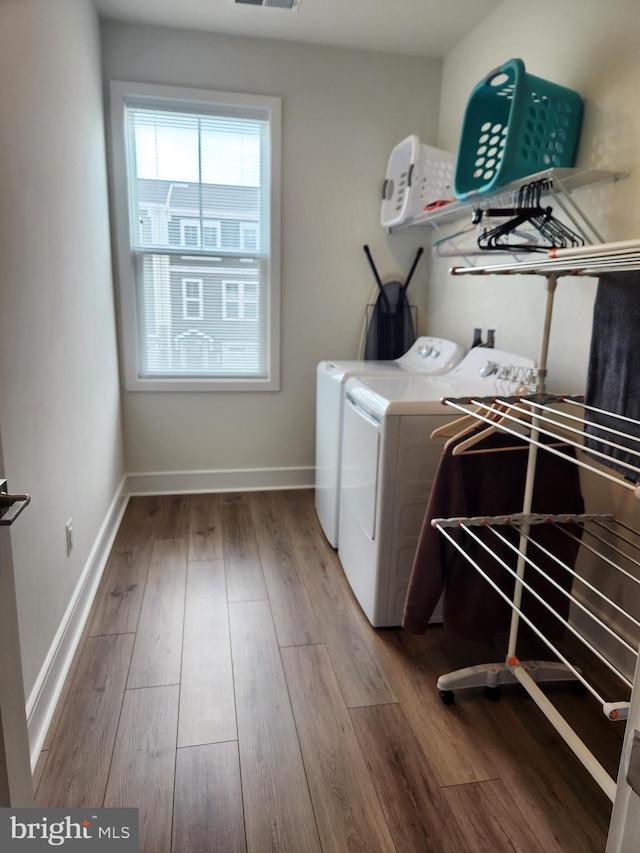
(546, 420)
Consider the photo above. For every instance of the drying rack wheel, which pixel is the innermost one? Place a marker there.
(448, 697)
(492, 693)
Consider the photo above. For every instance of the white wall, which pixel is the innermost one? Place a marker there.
(343, 111)
(59, 395)
(592, 48)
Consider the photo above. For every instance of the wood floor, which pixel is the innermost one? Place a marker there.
(230, 688)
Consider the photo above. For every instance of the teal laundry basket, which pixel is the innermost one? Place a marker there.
(515, 125)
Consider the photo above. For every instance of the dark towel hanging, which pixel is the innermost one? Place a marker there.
(613, 379)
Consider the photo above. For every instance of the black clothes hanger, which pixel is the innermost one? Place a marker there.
(528, 211)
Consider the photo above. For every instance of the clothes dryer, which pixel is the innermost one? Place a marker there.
(428, 355)
(388, 465)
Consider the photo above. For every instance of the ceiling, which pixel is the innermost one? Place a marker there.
(420, 27)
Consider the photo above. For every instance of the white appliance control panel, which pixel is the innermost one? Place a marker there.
(431, 354)
(493, 365)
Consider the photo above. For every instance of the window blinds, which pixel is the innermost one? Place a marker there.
(199, 218)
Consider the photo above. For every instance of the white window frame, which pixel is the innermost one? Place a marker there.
(168, 96)
(241, 301)
(190, 223)
(216, 226)
(189, 300)
(201, 226)
(244, 228)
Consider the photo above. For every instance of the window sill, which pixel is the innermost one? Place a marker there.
(199, 385)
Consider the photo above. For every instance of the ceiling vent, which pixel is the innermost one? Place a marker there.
(291, 5)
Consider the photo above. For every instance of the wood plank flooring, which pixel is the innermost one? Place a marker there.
(230, 688)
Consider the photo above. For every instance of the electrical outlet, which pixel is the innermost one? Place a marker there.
(485, 335)
(490, 335)
(69, 532)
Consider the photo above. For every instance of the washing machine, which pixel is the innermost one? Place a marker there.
(430, 356)
(388, 465)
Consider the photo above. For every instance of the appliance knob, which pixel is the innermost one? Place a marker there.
(424, 351)
(488, 369)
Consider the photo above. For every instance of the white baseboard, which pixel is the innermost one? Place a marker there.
(42, 701)
(230, 480)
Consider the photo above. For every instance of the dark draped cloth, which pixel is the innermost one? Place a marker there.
(492, 484)
(613, 379)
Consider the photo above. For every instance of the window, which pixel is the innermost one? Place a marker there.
(192, 299)
(197, 173)
(240, 300)
(190, 233)
(201, 233)
(249, 236)
(211, 234)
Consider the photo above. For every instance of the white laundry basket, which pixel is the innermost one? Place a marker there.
(417, 176)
